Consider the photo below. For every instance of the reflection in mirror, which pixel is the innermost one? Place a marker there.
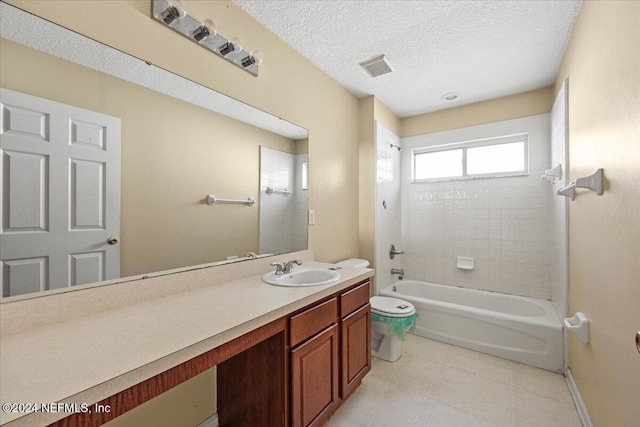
(60, 222)
(283, 199)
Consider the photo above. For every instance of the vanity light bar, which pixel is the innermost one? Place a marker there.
(178, 20)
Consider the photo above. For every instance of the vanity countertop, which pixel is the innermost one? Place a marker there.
(87, 359)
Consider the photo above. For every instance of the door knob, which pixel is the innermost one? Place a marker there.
(112, 240)
(638, 341)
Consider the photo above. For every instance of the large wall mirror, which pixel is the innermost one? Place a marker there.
(107, 162)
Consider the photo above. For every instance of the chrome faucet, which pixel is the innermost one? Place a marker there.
(279, 267)
(251, 255)
(288, 267)
(399, 271)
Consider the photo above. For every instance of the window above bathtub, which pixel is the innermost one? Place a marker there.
(487, 158)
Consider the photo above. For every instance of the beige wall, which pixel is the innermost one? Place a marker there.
(602, 62)
(508, 107)
(289, 86)
(386, 117)
(168, 165)
(367, 176)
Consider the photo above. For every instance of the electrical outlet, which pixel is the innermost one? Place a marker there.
(312, 216)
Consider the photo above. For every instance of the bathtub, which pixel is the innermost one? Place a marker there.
(526, 330)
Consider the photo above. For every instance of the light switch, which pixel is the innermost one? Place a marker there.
(312, 216)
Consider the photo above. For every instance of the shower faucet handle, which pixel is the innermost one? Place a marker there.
(393, 252)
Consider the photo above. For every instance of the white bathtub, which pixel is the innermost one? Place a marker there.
(526, 330)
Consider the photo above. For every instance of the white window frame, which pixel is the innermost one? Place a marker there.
(305, 176)
(507, 139)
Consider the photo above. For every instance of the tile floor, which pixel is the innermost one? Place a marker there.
(440, 385)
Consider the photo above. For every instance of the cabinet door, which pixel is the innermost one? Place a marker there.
(314, 379)
(356, 348)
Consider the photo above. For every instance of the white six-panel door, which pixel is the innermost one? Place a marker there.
(60, 195)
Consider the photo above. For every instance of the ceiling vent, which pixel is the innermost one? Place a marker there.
(377, 66)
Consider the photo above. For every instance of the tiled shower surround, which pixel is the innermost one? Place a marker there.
(283, 219)
(387, 205)
(559, 208)
(505, 223)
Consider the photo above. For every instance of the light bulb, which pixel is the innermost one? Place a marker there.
(233, 45)
(255, 57)
(207, 29)
(175, 11)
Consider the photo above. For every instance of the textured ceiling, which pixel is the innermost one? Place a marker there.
(481, 49)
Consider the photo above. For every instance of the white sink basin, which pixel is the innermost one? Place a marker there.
(303, 277)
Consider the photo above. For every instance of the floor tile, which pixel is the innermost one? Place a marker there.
(538, 381)
(439, 385)
(401, 408)
(492, 403)
(445, 416)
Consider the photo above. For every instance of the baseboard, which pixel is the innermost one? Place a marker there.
(577, 400)
(210, 422)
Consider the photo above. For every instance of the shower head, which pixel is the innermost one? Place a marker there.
(396, 146)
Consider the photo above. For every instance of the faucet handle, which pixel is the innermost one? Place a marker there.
(279, 267)
(393, 252)
(288, 267)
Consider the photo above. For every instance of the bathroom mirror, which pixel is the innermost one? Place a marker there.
(179, 142)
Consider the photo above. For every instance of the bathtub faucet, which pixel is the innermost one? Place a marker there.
(399, 271)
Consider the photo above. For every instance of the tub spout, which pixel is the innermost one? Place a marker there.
(399, 271)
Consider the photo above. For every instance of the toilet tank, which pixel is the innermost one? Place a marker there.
(353, 262)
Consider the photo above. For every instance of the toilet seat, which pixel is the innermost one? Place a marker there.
(391, 307)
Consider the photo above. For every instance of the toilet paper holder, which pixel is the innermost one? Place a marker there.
(579, 325)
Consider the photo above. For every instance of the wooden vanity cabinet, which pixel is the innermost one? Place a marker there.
(330, 354)
(314, 379)
(314, 364)
(355, 332)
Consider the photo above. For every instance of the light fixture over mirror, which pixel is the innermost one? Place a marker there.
(172, 14)
(165, 220)
(207, 29)
(174, 11)
(233, 45)
(254, 57)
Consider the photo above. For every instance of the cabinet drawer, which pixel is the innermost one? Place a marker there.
(312, 321)
(354, 299)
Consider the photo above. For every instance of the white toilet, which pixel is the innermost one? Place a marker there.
(391, 318)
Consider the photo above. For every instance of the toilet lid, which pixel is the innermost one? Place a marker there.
(391, 307)
(353, 262)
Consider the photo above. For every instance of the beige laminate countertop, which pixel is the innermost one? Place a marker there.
(90, 358)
